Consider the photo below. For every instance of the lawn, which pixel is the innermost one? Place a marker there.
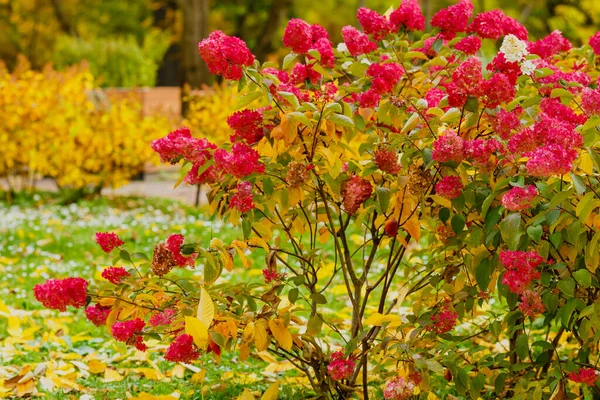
(44, 351)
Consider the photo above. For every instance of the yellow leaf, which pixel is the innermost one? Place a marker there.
(249, 331)
(256, 241)
(413, 227)
(178, 371)
(198, 377)
(378, 319)
(112, 375)
(96, 367)
(206, 308)
(261, 337)
(244, 351)
(246, 395)
(272, 392)
(198, 330)
(113, 315)
(281, 333)
(442, 201)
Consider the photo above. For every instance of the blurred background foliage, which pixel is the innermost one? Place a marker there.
(147, 42)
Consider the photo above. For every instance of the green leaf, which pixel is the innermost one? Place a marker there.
(291, 98)
(318, 298)
(293, 295)
(583, 277)
(140, 256)
(510, 229)
(124, 254)
(472, 104)
(383, 197)
(562, 93)
(522, 346)
(314, 325)
(247, 99)
(341, 120)
(458, 223)
(567, 286)
(535, 232)
(289, 61)
(579, 183)
(483, 274)
(300, 117)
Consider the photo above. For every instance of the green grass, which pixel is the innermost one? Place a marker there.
(41, 239)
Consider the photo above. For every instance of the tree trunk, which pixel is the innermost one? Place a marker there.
(195, 28)
(277, 13)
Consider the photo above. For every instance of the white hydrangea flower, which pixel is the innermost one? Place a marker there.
(527, 67)
(513, 48)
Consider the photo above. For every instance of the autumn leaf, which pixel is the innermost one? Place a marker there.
(281, 333)
(198, 330)
(206, 308)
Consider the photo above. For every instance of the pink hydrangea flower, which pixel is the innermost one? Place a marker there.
(479, 151)
(550, 160)
(225, 55)
(398, 389)
(173, 244)
(498, 90)
(511, 26)
(180, 144)
(298, 36)
(357, 42)
(385, 76)
(595, 42)
(247, 126)
(340, 367)
(243, 199)
(444, 320)
(589, 376)
(387, 161)
(408, 15)
(162, 318)
(114, 274)
(130, 333)
(521, 269)
(469, 45)
(240, 162)
(57, 294)
(369, 99)
(505, 123)
(449, 186)
(518, 198)
(550, 45)
(108, 241)
(453, 19)
(590, 101)
(434, 96)
(448, 147)
(97, 314)
(467, 80)
(489, 24)
(182, 349)
(355, 192)
(531, 303)
(373, 23)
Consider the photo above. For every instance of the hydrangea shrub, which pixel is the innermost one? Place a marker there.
(426, 221)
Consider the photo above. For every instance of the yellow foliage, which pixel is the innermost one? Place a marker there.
(51, 126)
(208, 110)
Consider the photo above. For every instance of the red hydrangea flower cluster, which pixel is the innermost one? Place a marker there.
(497, 90)
(511, 69)
(434, 96)
(505, 123)
(385, 77)
(449, 186)
(453, 19)
(243, 199)
(180, 144)
(520, 269)
(589, 376)
(595, 42)
(387, 161)
(409, 16)
(479, 151)
(556, 81)
(129, 332)
(162, 318)
(355, 192)
(271, 275)
(301, 37)
(590, 101)
(448, 147)
(550, 45)
(517, 198)
(182, 349)
(340, 367)
(247, 126)
(225, 55)
(553, 108)
(108, 241)
(242, 161)
(469, 44)
(302, 72)
(57, 294)
(97, 314)
(444, 320)
(550, 160)
(398, 389)
(173, 244)
(467, 80)
(114, 274)
(374, 24)
(357, 42)
(531, 303)
(494, 24)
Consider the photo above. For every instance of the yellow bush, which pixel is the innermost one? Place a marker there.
(208, 110)
(50, 125)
